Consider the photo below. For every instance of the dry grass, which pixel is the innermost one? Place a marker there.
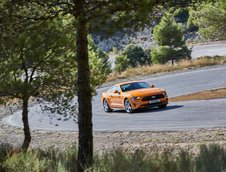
(203, 95)
(159, 68)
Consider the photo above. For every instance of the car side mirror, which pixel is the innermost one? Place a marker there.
(152, 86)
(116, 91)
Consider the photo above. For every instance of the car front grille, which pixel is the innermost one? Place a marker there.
(153, 97)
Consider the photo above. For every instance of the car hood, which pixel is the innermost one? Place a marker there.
(146, 91)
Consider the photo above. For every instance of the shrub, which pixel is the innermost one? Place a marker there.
(118, 161)
(136, 55)
(185, 161)
(50, 160)
(161, 55)
(60, 160)
(25, 162)
(211, 158)
(132, 56)
(4, 151)
(121, 63)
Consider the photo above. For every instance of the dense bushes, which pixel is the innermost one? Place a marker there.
(121, 63)
(132, 56)
(4, 152)
(210, 158)
(51, 160)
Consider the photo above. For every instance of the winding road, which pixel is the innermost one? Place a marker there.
(177, 116)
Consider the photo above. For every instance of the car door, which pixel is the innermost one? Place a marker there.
(116, 98)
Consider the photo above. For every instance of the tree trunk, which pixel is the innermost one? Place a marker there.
(27, 134)
(171, 54)
(85, 147)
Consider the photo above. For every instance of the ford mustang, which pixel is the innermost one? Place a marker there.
(133, 95)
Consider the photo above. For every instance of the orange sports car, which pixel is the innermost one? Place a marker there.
(133, 95)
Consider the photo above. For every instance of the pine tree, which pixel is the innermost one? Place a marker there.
(171, 44)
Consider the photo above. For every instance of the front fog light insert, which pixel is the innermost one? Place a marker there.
(135, 98)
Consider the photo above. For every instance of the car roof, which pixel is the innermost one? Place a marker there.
(128, 82)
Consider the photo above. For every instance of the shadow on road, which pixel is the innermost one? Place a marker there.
(152, 109)
(156, 109)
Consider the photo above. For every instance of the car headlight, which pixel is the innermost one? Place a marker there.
(135, 98)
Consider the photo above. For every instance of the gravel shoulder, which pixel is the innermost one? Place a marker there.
(129, 141)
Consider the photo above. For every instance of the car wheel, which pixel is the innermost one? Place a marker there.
(127, 106)
(162, 106)
(106, 106)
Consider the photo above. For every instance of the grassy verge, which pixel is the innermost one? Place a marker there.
(210, 158)
(203, 95)
(160, 68)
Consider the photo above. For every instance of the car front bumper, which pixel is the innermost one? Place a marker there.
(138, 104)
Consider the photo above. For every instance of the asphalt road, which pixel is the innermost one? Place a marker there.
(177, 116)
(198, 50)
(209, 49)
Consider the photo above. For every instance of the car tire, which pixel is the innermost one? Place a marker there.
(106, 106)
(162, 106)
(127, 106)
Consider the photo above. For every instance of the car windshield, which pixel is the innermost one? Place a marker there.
(134, 86)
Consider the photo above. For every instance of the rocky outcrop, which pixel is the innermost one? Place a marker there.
(121, 39)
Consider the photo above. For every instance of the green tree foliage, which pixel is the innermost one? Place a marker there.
(171, 44)
(99, 67)
(181, 14)
(37, 63)
(132, 56)
(161, 54)
(168, 32)
(210, 18)
(121, 63)
(148, 53)
(136, 55)
(191, 26)
(99, 64)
